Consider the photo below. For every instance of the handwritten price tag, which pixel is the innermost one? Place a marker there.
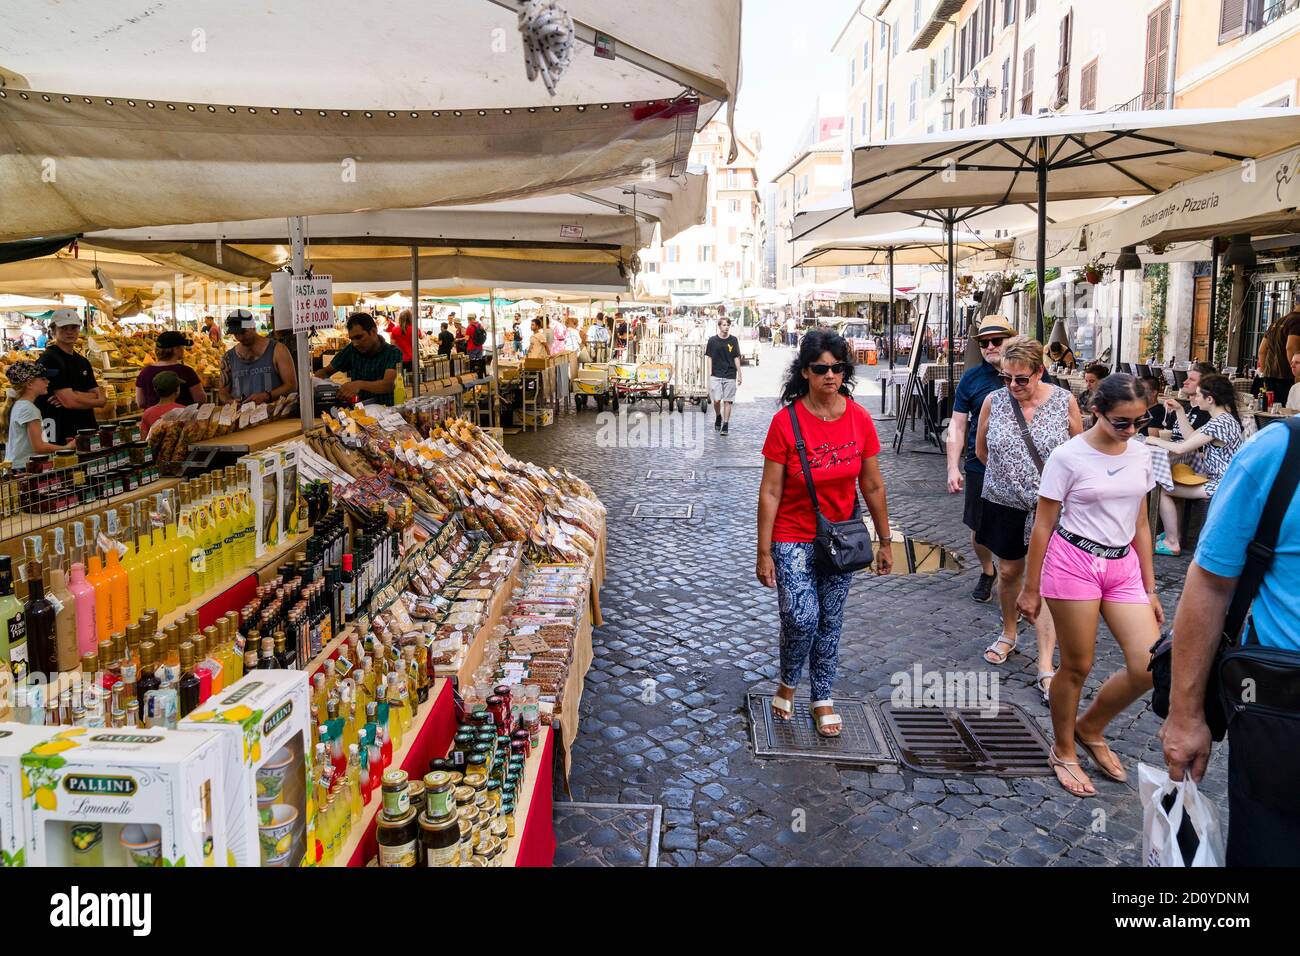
(528, 643)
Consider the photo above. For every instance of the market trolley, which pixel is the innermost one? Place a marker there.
(643, 381)
(593, 384)
(692, 377)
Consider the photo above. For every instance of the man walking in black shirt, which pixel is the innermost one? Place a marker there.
(722, 358)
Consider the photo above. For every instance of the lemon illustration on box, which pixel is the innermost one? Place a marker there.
(262, 720)
(17, 792)
(120, 797)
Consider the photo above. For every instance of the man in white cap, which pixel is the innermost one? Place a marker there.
(257, 369)
(975, 386)
(74, 394)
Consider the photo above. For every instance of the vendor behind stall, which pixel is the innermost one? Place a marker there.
(369, 361)
(169, 352)
(73, 394)
(257, 369)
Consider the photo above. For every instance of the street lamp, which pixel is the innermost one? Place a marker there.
(746, 239)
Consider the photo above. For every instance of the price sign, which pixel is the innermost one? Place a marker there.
(303, 304)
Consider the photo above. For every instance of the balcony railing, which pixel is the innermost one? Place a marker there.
(1144, 101)
(1062, 87)
(1272, 10)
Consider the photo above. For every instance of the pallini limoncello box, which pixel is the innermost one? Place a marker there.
(15, 741)
(264, 718)
(264, 478)
(141, 797)
(288, 492)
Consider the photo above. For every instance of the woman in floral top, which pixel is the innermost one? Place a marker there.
(1215, 443)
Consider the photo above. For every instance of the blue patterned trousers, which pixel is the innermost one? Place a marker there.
(812, 612)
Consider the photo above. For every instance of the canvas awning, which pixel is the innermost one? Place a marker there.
(109, 119)
(910, 247)
(1261, 198)
(599, 218)
(1067, 247)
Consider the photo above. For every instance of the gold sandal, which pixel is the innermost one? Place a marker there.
(1054, 761)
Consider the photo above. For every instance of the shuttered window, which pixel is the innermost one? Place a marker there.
(1030, 7)
(1232, 19)
(1066, 41)
(1157, 59)
(1006, 86)
(1027, 82)
(1008, 12)
(1088, 87)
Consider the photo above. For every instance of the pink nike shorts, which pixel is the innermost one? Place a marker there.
(1072, 574)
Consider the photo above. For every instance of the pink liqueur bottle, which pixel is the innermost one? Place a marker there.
(84, 595)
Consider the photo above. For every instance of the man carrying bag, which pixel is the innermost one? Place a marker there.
(1248, 558)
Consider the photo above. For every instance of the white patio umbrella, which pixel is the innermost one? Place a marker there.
(1072, 157)
(112, 119)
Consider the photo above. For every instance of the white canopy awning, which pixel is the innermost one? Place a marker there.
(1260, 198)
(112, 119)
(1067, 246)
(911, 247)
(597, 217)
(1088, 156)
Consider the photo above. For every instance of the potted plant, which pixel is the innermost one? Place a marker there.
(1095, 271)
(1009, 281)
(1158, 247)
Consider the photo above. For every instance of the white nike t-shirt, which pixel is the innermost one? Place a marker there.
(1101, 494)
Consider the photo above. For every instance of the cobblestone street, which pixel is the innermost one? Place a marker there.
(688, 631)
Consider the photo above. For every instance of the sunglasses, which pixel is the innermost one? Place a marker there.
(1124, 424)
(819, 368)
(986, 343)
(1021, 380)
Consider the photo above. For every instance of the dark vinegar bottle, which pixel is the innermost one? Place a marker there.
(187, 689)
(39, 620)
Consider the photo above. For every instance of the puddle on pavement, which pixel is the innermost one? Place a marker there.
(916, 556)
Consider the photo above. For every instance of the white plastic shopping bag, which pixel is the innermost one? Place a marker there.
(1179, 826)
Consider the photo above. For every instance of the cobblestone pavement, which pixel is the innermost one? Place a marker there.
(688, 631)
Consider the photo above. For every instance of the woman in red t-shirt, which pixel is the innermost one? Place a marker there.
(841, 445)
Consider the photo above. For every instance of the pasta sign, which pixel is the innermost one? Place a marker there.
(312, 302)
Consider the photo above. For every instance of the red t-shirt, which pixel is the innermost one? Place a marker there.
(153, 413)
(835, 452)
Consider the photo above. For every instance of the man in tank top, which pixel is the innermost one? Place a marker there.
(257, 369)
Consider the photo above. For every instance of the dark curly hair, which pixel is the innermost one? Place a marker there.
(811, 347)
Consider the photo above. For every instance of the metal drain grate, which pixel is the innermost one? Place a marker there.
(670, 512)
(654, 475)
(944, 742)
(861, 741)
(607, 834)
(736, 463)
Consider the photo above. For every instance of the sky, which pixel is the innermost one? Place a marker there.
(786, 61)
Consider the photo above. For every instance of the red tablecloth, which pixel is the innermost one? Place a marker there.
(537, 841)
(432, 740)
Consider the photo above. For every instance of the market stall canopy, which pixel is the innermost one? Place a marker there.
(601, 217)
(911, 247)
(1095, 155)
(109, 119)
(1260, 198)
(127, 273)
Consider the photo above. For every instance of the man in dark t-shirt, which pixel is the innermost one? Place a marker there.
(445, 340)
(975, 386)
(73, 394)
(722, 358)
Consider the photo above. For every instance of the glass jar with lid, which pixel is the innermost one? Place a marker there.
(398, 839)
(440, 839)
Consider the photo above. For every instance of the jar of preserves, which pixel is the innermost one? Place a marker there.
(396, 797)
(476, 764)
(107, 434)
(508, 815)
(461, 748)
(88, 440)
(464, 795)
(476, 782)
(398, 839)
(439, 799)
(416, 793)
(494, 794)
(469, 817)
(440, 839)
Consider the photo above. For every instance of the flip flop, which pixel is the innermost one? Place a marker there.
(1043, 691)
(1122, 777)
(826, 722)
(781, 707)
(1055, 761)
(1163, 549)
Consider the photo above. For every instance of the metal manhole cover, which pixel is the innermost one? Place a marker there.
(607, 834)
(736, 463)
(862, 739)
(654, 475)
(941, 742)
(671, 512)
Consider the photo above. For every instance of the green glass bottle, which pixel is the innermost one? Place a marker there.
(13, 633)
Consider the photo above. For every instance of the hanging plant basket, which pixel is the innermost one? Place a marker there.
(1092, 276)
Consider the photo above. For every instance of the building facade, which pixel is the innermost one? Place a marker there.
(815, 174)
(715, 260)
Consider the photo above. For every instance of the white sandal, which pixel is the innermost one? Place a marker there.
(782, 707)
(826, 722)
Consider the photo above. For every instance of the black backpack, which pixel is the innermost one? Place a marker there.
(480, 335)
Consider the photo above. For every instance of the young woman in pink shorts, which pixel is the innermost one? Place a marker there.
(1091, 552)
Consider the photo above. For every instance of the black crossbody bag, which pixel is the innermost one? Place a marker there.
(1232, 663)
(841, 547)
